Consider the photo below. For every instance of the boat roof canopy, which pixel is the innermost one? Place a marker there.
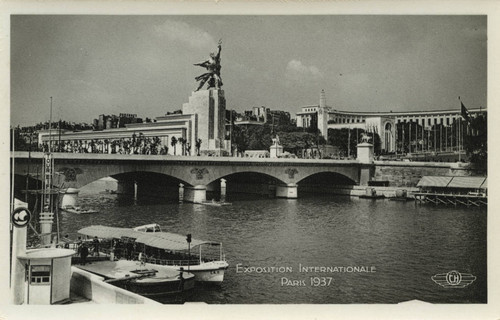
(161, 240)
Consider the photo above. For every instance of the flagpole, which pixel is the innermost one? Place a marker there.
(396, 139)
(403, 138)
(409, 137)
(50, 125)
(441, 137)
(446, 138)
(459, 141)
(348, 142)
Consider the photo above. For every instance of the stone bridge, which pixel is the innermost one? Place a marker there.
(196, 173)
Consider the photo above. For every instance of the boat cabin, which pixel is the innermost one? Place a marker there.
(48, 275)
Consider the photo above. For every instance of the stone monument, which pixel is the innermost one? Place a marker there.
(276, 149)
(365, 149)
(209, 106)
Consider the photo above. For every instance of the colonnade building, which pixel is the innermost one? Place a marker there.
(202, 122)
(382, 123)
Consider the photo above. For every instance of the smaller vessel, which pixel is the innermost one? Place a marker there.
(174, 251)
(78, 210)
(371, 193)
(214, 203)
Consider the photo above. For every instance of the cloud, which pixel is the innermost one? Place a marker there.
(296, 71)
(185, 33)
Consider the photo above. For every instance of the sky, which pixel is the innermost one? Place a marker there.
(94, 65)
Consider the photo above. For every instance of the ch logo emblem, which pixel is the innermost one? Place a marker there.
(453, 279)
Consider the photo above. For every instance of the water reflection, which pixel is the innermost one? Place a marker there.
(405, 242)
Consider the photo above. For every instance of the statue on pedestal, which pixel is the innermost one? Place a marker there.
(365, 137)
(212, 76)
(276, 141)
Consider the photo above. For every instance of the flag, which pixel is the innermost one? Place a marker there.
(465, 112)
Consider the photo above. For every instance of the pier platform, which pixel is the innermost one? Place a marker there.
(451, 199)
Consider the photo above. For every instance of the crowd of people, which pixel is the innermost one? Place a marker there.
(137, 144)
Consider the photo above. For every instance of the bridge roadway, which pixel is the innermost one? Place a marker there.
(79, 169)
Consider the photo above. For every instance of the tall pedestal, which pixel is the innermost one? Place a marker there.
(275, 151)
(288, 191)
(365, 157)
(210, 108)
(365, 152)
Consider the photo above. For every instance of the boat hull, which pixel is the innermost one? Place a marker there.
(159, 287)
(212, 272)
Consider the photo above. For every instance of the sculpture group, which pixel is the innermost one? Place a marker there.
(212, 76)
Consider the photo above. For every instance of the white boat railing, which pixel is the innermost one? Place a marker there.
(166, 262)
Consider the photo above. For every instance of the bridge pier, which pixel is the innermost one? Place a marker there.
(196, 194)
(288, 191)
(69, 198)
(126, 187)
(181, 192)
(222, 190)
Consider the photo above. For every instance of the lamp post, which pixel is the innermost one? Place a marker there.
(188, 239)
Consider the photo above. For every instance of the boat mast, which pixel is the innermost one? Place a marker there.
(47, 213)
(50, 126)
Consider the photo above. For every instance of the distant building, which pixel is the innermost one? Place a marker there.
(263, 115)
(383, 123)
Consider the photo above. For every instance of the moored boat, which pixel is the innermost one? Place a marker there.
(214, 203)
(78, 210)
(167, 249)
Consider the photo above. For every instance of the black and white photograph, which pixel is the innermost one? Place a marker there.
(169, 159)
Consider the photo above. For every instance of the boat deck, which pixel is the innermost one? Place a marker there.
(122, 269)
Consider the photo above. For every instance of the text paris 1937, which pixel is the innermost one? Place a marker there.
(311, 281)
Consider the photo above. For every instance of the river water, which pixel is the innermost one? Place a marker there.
(378, 251)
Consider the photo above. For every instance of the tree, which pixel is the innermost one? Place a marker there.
(339, 138)
(295, 142)
(173, 143)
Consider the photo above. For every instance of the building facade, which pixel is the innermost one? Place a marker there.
(201, 125)
(382, 123)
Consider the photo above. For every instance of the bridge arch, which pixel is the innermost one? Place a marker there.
(325, 182)
(249, 182)
(327, 178)
(84, 174)
(251, 175)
